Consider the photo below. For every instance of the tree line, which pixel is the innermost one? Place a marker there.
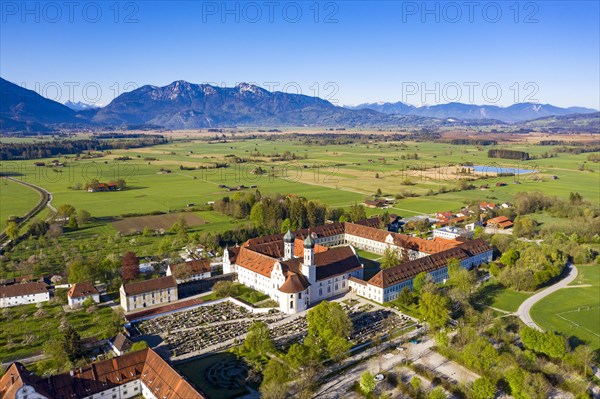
(508, 154)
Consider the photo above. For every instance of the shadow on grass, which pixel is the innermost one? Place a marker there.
(485, 296)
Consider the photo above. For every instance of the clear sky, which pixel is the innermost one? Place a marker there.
(484, 52)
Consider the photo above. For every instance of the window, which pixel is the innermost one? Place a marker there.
(299, 295)
(291, 304)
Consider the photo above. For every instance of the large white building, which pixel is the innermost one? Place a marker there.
(300, 269)
(142, 294)
(452, 233)
(23, 294)
(136, 374)
(294, 272)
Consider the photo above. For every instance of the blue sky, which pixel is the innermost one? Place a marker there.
(349, 51)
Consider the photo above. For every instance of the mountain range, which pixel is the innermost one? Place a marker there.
(515, 113)
(184, 105)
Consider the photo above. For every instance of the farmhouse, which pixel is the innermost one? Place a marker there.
(500, 222)
(386, 285)
(137, 374)
(190, 271)
(79, 292)
(148, 293)
(23, 294)
(302, 268)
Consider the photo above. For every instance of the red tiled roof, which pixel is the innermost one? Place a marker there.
(199, 266)
(154, 284)
(14, 290)
(79, 290)
(328, 264)
(144, 365)
(294, 283)
(408, 270)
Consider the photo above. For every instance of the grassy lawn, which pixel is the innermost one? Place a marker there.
(30, 330)
(575, 311)
(367, 255)
(227, 368)
(15, 200)
(497, 296)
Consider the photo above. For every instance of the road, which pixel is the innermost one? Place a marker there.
(524, 310)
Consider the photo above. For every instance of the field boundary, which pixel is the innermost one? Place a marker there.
(584, 308)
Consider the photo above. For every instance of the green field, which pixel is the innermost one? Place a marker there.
(574, 312)
(338, 175)
(15, 200)
(502, 298)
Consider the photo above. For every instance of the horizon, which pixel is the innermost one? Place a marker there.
(348, 53)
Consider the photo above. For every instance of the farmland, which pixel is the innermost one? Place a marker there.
(338, 175)
(15, 200)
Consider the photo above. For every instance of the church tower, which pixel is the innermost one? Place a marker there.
(308, 266)
(288, 245)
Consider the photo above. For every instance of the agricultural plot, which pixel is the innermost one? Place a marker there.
(15, 200)
(574, 312)
(156, 222)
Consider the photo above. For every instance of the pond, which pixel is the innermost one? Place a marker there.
(501, 170)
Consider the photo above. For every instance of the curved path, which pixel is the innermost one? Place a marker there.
(45, 200)
(524, 310)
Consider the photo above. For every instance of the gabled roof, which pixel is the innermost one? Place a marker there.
(328, 264)
(294, 283)
(408, 270)
(199, 266)
(154, 284)
(275, 249)
(122, 343)
(14, 290)
(79, 290)
(144, 365)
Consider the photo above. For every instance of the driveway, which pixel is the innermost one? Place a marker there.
(524, 310)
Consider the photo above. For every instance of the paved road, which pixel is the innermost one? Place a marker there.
(524, 310)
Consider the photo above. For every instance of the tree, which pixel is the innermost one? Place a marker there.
(65, 211)
(139, 346)
(298, 355)
(83, 217)
(434, 309)
(80, 271)
(12, 230)
(357, 212)
(71, 343)
(367, 382)
(405, 297)
(583, 356)
(437, 393)
(483, 388)
(416, 383)
(524, 227)
(258, 340)
(130, 266)
(509, 257)
(419, 282)
(328, 330)
(460, 278)
(72, 224)
(390, 258)
(223, 288)
(276, 374)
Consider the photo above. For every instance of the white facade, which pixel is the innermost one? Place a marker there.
(78, 302)
(28, 392)
(192, 277)
(298, 301)
(123, 391)
(451, 233)
(147, 299)
(17, 300)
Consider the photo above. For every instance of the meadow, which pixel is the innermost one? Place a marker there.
(338, 175)
(15, 200)
(31, 327)
(574, 312)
